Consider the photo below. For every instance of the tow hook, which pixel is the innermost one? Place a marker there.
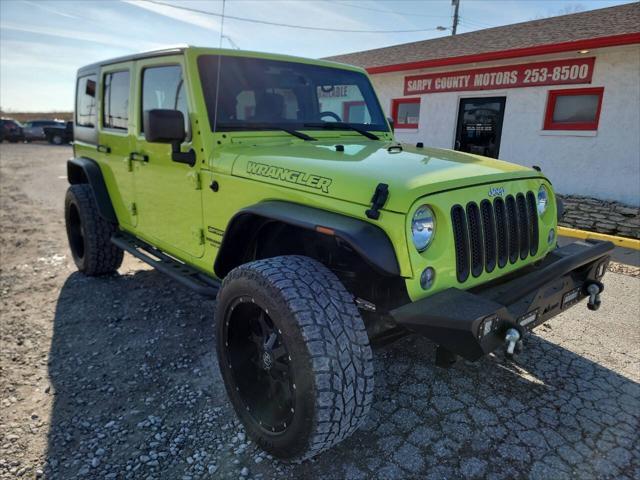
(594, 290)
(512, 341)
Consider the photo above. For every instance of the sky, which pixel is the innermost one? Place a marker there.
(44, 42)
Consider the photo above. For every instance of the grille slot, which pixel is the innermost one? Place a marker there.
(501, 231)
(489, 235)
(475, 237)
(514, 235)
(461, 240)
(533, 223)
(489, 230)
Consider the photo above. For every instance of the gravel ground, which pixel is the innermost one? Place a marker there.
(117, 377)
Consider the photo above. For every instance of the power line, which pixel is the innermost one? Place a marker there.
(285, 25)
(393, 12)
(476, 23)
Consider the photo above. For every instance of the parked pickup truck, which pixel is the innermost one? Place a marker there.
(59, 135)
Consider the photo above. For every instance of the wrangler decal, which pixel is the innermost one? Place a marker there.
(291, 176)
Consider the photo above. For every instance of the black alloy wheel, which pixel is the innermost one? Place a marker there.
(260, 364)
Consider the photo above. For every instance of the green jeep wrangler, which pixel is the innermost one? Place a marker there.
(276, 184)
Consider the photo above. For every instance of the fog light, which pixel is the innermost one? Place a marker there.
(551, 237)
(427, 278)
(528, 318)
(488, 325)
(570, 297)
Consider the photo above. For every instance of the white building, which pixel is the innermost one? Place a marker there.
(561, 93)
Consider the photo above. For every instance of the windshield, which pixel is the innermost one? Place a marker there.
(260, 94)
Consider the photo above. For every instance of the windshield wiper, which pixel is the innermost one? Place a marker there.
(343, 126)
(253, 126)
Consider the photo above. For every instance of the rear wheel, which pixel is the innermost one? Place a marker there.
(89, 234)
(294, 355)
(56, 140)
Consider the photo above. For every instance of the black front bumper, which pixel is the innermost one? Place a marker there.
(472, 323)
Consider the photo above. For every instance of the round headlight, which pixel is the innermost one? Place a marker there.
(423, 226)
(543, 199)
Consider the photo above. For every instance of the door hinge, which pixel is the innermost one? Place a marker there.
(129, 163)
(133, 209)
(198, 234)
(194, 178)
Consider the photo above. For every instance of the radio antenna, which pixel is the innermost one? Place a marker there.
(215, 115)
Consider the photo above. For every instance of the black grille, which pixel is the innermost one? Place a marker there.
(462, 242)
(502, 232)
(489, 230)
(493, 234)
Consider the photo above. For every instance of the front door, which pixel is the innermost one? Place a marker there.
(168, 195)
(480, 125)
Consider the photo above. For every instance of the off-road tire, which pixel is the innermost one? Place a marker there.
(328, 347)
(92, 251)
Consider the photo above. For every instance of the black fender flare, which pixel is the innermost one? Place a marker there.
(367, 240)
(86, 170)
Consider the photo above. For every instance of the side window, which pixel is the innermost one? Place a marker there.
(163, 87)
(115, 98)
(86, 101)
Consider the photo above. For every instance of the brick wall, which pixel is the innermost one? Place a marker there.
(595, 215)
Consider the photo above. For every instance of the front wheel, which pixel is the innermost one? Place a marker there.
(294, 355)
(57, 140)
(89, 234)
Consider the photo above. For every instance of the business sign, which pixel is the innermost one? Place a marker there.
(556, 72)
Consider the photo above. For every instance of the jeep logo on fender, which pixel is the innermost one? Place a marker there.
(291, 176)
(496, 191)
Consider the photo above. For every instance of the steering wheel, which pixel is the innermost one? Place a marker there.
(332, 115)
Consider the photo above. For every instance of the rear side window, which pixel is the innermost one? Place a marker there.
(163, 87)
(86, 101)
(115, 111)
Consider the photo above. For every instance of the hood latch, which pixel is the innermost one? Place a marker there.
(378, 200)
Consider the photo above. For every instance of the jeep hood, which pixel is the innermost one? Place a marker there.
(353, 174)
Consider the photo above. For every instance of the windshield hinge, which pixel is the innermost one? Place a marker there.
(378, 200)
(194, 178)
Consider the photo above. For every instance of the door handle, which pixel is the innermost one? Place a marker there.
(138, 157)
(103, 149)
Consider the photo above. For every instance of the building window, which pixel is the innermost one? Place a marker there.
(86, 102)
(115, 110)
(405, 112)
(354, 112)
(573, 109)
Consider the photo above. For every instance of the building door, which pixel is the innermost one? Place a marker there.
(480, 125)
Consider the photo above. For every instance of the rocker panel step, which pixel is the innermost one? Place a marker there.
(182, 273)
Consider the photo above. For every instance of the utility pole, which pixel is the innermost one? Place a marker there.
(456, 4)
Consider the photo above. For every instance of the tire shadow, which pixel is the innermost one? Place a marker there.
(137, 393)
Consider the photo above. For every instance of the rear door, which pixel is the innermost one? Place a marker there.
(168, 194)
(116, 139)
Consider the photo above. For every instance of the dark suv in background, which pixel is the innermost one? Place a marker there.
(11, 130)
(34, 129)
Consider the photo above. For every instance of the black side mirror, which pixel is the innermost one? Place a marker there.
(391, 124)
(167, 126)
(164, 126)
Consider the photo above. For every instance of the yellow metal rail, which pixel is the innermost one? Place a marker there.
(583, 234)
